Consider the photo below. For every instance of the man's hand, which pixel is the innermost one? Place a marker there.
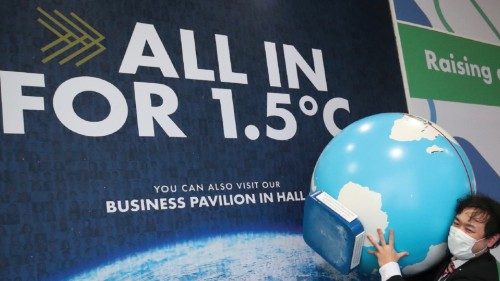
(385, 252)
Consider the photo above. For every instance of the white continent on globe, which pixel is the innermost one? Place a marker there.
(408, 128)
(433, 149)
(366, 204)
(434, 255)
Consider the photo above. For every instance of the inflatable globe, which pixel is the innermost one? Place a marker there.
(397, 171)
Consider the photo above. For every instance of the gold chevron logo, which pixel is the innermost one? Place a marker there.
(76, 39)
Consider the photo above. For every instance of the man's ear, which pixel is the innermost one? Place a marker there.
(492, 240)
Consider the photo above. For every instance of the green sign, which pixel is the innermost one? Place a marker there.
(446, 67)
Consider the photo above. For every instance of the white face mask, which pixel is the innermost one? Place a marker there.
(460, 244)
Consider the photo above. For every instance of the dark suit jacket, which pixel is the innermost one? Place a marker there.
(482, 268)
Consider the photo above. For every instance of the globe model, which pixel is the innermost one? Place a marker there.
(401, 172)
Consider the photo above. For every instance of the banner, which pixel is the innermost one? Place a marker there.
(175, 140)
(451, 68)
(446, 67)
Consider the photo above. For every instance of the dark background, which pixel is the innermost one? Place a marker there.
(54, 182)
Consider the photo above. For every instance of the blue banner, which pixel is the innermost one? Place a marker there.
(175, 140)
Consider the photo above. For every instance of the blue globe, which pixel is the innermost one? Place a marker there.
(397, 171)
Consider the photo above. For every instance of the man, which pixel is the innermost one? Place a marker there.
(475, 230)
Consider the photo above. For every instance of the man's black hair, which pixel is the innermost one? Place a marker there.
(487, 210)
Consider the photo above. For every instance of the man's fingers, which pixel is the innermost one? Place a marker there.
(391, 237)
(381, 237)
(403, 254)
(372, 240)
